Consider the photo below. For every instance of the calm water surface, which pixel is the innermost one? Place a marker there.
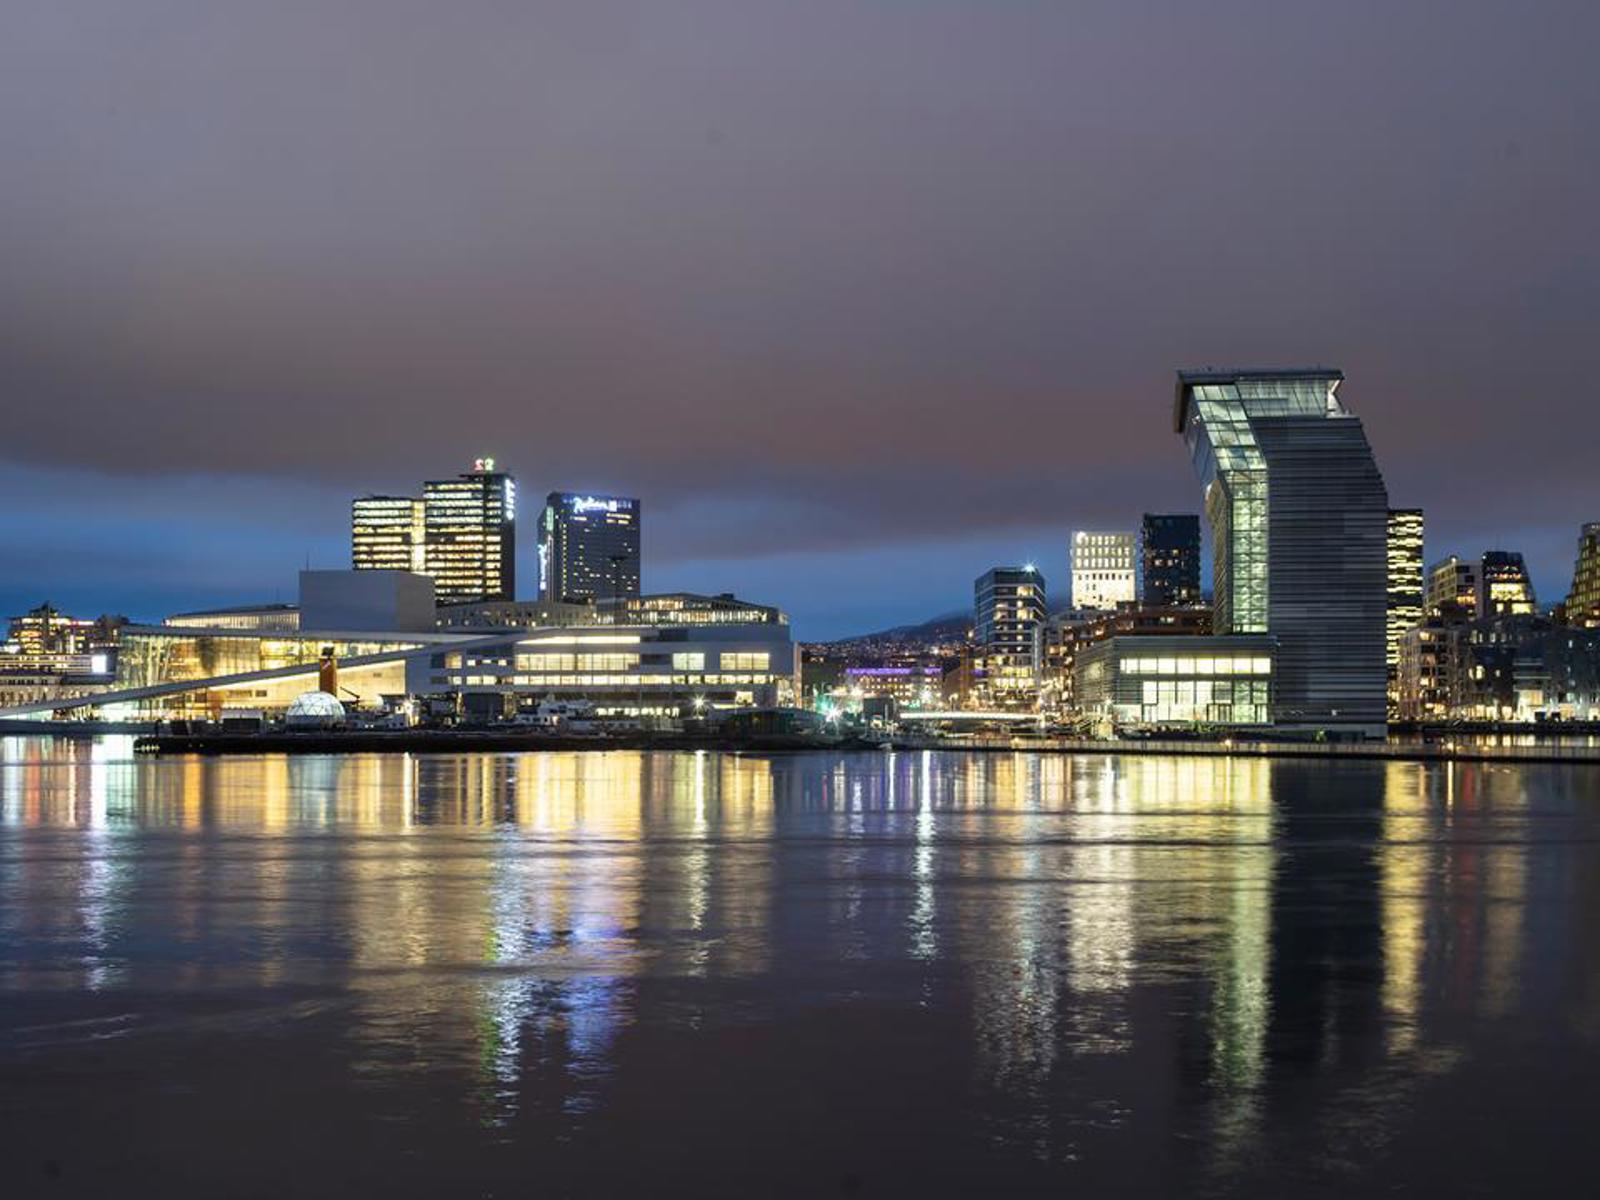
(626, 973)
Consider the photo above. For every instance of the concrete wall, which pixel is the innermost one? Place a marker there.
(362, 601)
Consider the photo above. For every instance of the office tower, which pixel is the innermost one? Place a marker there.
(1299, 527)
(1405, 595)
(470, 533)
(387, 533)
(1504, 588)
(1583, 602)
(1453, 588)
(1169, 556)
(1102, 569)
(588, 547)
(1008, 627)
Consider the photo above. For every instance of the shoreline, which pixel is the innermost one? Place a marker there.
(495, 741)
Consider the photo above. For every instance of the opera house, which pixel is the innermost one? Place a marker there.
(381, 643)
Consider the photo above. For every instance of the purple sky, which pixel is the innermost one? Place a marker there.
(861, 298)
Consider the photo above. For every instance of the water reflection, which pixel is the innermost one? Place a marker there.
(1071, 955)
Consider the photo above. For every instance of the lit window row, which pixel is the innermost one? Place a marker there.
(1198, 664)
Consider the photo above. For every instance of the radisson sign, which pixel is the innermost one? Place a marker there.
(584, 504)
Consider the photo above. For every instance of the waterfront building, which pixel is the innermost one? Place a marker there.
(1405, 599)
(589, 547)
(1299, 522)
(1169, 559)
(50, 656)
(1504, 588)
(1155, 680)
(1508, 668)
(1009, 612)
(1583, 601)
(166, 671)
(1068, 635)
(1103, 574)
(388, 533)
(1452, 588)
(368, 637)
(470, 535)
(652, 671)
(627, 671)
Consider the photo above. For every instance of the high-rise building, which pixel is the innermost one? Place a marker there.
(1504, 588)
(1405, 595)
(1103, 573)
(1583, 602)
(1009, 612)
(470, 535)
(1169, 556)
(588, 547)
(1299, 525)
(1452, 589)
(388, 533)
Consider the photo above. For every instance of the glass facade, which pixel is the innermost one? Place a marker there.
(263, 616)
(654, 670)
(1404, 602)
(388, 533)
(589, 547)
(1299, 521)
(1177, 680)
(1009, 612)
(1228, 458)
(150, 656)
(470, 532)
(1169, 559)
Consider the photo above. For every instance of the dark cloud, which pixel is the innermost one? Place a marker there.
(822, 275)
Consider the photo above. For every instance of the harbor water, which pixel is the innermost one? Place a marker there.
(884, 973)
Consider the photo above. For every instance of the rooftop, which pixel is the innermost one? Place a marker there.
(1189, 379)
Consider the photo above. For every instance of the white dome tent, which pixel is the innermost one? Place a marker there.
(314, 710)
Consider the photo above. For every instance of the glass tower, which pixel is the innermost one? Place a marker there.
(387, 533)
(1405, 593)
(470, 524)
(1008, 627)
(1299, 524)
(1583, 602)
(588, 547)
(1169, 557)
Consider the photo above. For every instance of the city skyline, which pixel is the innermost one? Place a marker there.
(142, 590)
(823, 326)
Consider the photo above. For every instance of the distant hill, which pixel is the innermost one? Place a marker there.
(947, 628)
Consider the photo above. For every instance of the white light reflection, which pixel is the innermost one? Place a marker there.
(924, 941)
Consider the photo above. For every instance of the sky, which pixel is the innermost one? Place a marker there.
(860, 298)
